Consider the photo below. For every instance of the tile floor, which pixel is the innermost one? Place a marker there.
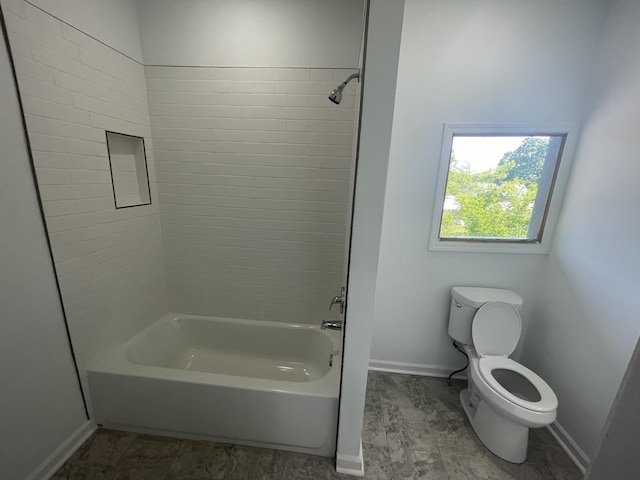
(414, 429)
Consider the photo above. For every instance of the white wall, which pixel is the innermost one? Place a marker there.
(114, 23)
(379, 85)
(585, 322)
(41, 403)
(253, 33)
(465, 62)
(253, 179)
(109, 262)
(617, 456)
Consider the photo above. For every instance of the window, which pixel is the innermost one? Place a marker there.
(496, 187)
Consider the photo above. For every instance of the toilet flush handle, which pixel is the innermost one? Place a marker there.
(459, 305)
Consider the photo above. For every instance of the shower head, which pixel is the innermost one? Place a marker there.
(336, 94)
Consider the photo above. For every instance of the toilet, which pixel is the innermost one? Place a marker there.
(504, 399)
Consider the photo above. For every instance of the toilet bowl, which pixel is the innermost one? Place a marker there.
(504, 398)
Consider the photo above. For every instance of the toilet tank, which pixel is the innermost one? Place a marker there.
(465, 302)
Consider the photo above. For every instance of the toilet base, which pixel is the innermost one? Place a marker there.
(504, 437)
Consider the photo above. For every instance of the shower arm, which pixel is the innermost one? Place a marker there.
(351, 77)
(343, 85)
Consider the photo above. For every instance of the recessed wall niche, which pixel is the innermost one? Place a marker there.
(129, 176)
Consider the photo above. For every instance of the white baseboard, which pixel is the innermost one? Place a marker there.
(60, 455)
(441, 371)
(568, 444)
(350, 464)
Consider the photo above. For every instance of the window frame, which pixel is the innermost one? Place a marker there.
(556, 193)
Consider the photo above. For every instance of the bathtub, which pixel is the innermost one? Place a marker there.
(257, 383)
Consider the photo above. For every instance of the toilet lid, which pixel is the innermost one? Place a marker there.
(496, 329)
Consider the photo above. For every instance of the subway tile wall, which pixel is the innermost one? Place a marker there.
(254, 175)
(253, 169)
(109, 262)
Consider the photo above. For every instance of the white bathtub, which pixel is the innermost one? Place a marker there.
(250, 382)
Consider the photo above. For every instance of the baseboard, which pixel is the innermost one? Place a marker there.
(350, 464)
(60, 455)
(568, 444)
(425, 370)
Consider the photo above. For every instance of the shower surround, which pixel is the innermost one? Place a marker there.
(253, 169)
(109, 262)
(249, 172)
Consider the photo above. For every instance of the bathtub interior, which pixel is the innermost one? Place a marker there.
(294, 353)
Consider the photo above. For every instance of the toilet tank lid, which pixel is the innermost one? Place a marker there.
(477, 296)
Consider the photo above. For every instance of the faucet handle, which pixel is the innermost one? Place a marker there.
(334, 301)
(339, 299)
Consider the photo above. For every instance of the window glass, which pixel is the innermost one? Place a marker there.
(498, 187)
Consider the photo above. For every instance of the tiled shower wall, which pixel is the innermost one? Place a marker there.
(253, 168)
(109, 262)
(254, 183)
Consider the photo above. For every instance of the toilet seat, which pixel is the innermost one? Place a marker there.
(496, 331)
(548, 401)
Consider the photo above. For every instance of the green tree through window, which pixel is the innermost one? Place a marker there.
(527, 159)
(496, 203)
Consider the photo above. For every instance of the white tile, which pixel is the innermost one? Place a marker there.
(263, 87)
(108, 109)
(38, 107)
(251, 74)
(16, 7)
(113, 124)
(39, 20)
(335, 139)
(53, 176)
(321, 74)
(297, 100)
(20, 46)
(297, 74)
(79, 85)
(287, 112)
(54, 94)
(286, 87)
(110, 262)
(86, 177)
(29, 68)
(82, 147)
(312, 88)
(47, 143)
(203, 73)
(298, 125)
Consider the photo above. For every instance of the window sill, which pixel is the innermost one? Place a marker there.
(532, 248)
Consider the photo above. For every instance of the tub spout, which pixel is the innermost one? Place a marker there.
(337, 325)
